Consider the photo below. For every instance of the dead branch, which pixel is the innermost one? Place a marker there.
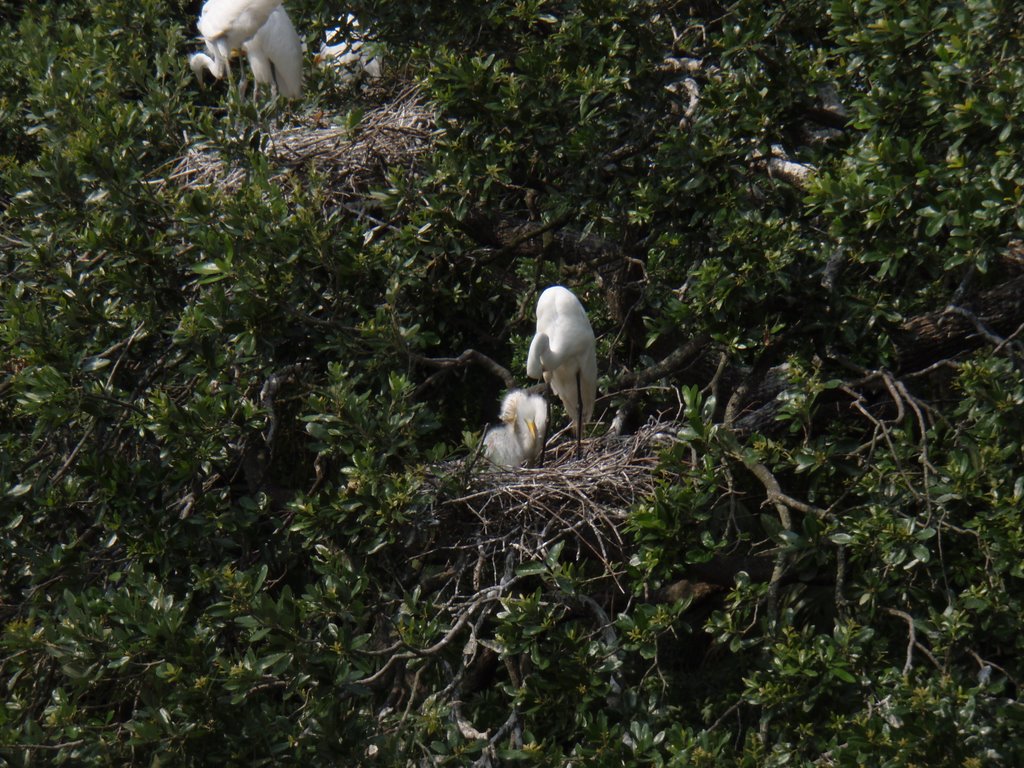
(989, 317)
(489, 756)
(460, 622)
(912, 642)
(692, 90)
(512, 237)
(686, 65)
(465, 727)
(469, 357)
(780, 165)
(665, 367)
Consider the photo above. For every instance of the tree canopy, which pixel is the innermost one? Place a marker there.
(249, 348)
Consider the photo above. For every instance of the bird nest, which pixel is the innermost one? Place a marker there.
(487, 519)
(349, 159)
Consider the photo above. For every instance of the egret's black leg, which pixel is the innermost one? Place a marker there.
(544, 437)
(579, 417)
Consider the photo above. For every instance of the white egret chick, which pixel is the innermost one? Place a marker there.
(275, 55)
(518, 440)
(226, 24)
(563, 354)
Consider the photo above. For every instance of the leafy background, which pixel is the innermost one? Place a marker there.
(216, 424)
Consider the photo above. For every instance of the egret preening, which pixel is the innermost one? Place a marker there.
(209, 62)
(563, 354)
(275, 55)
(519, 438)
(225, 25)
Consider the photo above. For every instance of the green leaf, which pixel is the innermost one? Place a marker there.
(261, 577)
(19, 490)
(843, 675)
(532, 568)
(208, 268)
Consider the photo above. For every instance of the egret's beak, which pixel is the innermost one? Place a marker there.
(533, 429)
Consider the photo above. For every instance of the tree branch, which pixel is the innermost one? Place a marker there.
(469, 357)
(912, 642)
(670, 364)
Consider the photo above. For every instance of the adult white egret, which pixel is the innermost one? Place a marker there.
(225, 25)
(563, 354)
(519, 438)
(348, 55)
(275, 55)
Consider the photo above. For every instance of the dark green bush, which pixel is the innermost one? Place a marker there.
(225, 437)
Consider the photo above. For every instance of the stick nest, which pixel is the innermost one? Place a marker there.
(349, 159)
(491, 519)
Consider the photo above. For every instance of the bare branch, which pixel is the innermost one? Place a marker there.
(989, 317)
(912, 642)
(670, 364)
(511, 724)
(687, 65)
(797, 174)
(783, 502)
(465, 727)
(469, 357)
(911, 637)
(434, 649)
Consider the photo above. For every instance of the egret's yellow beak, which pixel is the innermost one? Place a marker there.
(533, 429)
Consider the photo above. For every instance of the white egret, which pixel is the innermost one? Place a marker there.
(348, 54)
(519, 438)
(275, 55)
(563, 354)
(225, 25)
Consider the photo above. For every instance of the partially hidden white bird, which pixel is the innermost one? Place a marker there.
(349, 56)
(519, 439)
(225, 25)
(275, 55)
(563, 354)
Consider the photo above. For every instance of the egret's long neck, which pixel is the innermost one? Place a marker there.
(540, 348)
(201, 61)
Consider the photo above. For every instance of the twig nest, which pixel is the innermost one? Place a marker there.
(488, 514)
(350, 159)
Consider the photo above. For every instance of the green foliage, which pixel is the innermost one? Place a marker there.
(219, 443)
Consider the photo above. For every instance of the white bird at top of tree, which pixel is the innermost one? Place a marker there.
(518, 440)
(348, 55)
(225, 25)
(563, 354)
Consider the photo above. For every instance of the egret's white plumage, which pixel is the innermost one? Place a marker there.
(275, 55)
(518, 440)
(206, 61)
(348, 55)
(226, 24)
(563, 354)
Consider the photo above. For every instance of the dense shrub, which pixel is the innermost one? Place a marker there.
(229, 415)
